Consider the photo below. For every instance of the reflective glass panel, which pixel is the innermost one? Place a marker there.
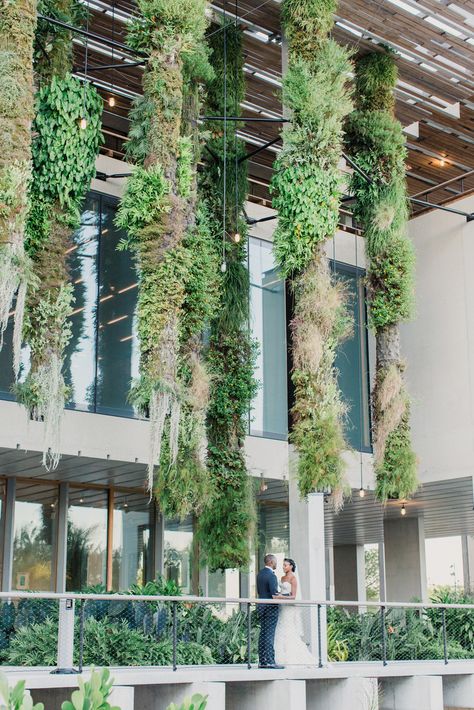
(6, 362)
(273, 521)
(132, 559)
(117, 343)
(178, 542)
(34, 536)
(269, 413)
(86, 539)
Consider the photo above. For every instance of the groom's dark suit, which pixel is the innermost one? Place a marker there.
(267, 586)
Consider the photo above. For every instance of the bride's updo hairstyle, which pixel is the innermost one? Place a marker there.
(291, 562)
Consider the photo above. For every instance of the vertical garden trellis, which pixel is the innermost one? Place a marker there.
(225, 523)
(67, 137)
(17, 28)
(377, 143)
(307, 186)
(172, 247)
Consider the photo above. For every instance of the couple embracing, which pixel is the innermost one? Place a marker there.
(281, 626)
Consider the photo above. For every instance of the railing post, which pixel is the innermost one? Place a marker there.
(320, 650)
(384, 636)
(249, 636)
(445, 640)
(66, 637)
(175, 634)
(82, 612)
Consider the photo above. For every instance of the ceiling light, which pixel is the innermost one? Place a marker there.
(237, 237)
(428, 67)
(83, 123)
(403, 510)
(111, 101)
(361, 493)
(404, 6)
(442, 162)
(444, 27)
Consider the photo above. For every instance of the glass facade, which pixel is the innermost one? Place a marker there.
(269, 413)
(178, 545)
(86, 538)
(132, 539)
(34, 536)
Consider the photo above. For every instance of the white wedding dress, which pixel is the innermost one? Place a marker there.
(290, 648)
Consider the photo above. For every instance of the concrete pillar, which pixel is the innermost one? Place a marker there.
(307, 548)
(468, 562)
(382, 580)
(53, 698)
(353, 693)
(158, 697)
(412, 693)
(8, 534)
(61, 538)
(405, 563)
(349, 573)
(458, 692)
(262, 695)
(330, 582)
(122, 697)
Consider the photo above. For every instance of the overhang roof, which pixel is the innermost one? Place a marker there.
(435, 44)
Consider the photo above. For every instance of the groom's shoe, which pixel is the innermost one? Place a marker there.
(275, 666)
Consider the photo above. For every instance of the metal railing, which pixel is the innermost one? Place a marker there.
(71, 631)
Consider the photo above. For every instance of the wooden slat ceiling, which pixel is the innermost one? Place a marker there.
(435, 44)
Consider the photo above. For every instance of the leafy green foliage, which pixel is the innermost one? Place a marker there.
(92, 694)
(144, 201)
(168, 22)
(16, 698)
(53, 43)
(307, 24)
(197, 702)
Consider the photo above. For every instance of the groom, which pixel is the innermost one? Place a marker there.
(267, 588)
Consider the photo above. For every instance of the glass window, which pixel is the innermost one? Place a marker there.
(117, 342)
(352, 363)
(86, 539)
(178, 543)
(132, 560)
(273, 521)
(6, 361)
(269, 414)
(79, 360)
(34, 536)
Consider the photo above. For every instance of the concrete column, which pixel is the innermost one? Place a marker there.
(405, 563)
(353, 693)
(412, 693)
(158, 697)
(307, 547)
(330, 582)
(382, 580)
(468, 562)
(262, 695)
(8, 534)
(349, 573)
(458, 692)
(61, 538)
(158, 543)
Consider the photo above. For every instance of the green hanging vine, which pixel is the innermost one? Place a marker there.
(377, 143)
(307, 186)
(17, 28)
(175, 261)
(226, 522)
(64, 157)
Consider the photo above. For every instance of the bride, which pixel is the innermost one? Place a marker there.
(290, 648)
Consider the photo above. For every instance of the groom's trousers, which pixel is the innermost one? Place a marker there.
(266, 640)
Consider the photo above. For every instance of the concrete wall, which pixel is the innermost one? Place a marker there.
(405, 563)
(438, 345)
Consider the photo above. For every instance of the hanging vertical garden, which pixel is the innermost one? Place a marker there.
(67, 136)
(307, 188)
(17, 28)
(170, 238)
(378, 145)
(226, 521)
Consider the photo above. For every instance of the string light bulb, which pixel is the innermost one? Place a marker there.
(223, 267)
(403, 510)
(442, 161)
(237, 237)
(361, 492)
(83, 123)
(111, 101)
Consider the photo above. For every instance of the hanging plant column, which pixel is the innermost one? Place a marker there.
(226, 522)
(307, 187)
(378, 145)
(17, 27)
(67, 136)
(155, 215)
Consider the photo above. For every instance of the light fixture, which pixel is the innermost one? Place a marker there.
(442, 161)
(125, 505)
(237, 237)
(223, 267)
(111, 101)
(83, 123)
(361, 492)
(81, 500)
(403, 510)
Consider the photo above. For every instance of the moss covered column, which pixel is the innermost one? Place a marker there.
(226, 522)
(377, 143)
(67, 137)
(17, 28)
(307, 187)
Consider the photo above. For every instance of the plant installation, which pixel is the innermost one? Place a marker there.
(170, 237)
(67, 128)
(377, 143)
(17, 27)
(307, 185)
(224, 526)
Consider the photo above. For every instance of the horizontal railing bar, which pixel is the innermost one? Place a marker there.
(228, 600)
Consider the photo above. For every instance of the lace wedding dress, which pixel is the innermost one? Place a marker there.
(290, 648)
